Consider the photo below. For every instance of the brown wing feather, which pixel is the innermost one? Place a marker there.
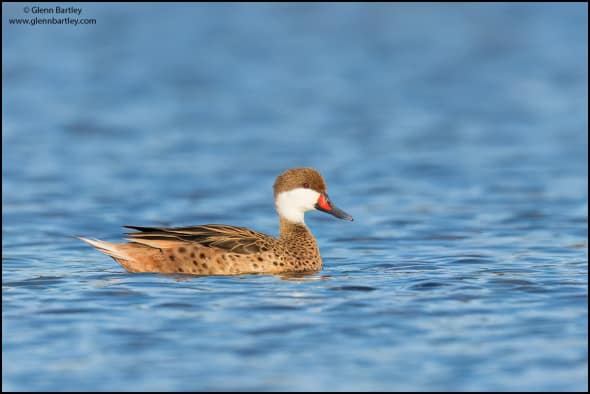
(230, 238)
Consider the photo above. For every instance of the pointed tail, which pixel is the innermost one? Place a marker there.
(108, 248)
(133, 257)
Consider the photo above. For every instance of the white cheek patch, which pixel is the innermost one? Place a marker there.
(292, 204)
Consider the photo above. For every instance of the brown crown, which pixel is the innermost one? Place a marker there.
(299, 177)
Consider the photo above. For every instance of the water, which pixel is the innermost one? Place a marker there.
(455, 135)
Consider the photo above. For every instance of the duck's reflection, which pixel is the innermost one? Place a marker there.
(302, 276)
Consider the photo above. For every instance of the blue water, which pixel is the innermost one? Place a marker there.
(456, 135)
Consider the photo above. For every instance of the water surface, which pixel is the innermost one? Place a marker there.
(455, 135)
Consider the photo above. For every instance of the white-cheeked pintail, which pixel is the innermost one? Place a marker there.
(219, 249)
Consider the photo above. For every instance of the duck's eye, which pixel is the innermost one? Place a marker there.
(306, 185)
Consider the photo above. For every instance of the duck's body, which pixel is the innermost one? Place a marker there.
(217, 249)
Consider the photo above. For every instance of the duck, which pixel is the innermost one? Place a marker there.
(220, 249)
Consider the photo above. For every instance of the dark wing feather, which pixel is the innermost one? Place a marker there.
(230, 238)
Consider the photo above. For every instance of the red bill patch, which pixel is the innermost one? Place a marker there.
(323, 203)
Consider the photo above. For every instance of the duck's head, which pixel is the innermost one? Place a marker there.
(303, 189)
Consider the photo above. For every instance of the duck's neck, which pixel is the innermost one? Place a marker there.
(300, 245)
(289, 229)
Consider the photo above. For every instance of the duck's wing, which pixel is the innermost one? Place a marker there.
(229, 238)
